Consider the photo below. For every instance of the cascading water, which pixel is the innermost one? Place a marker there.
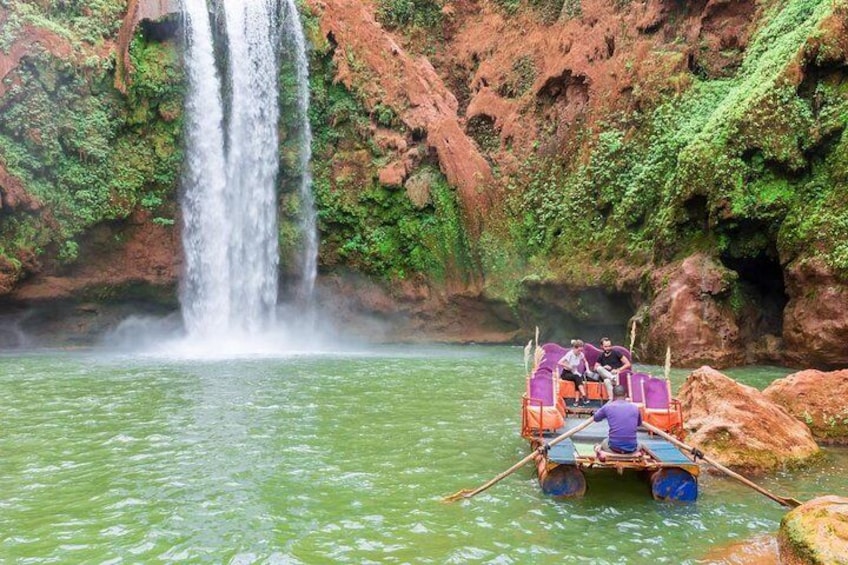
(309, 251)
(230, 202)
(252, 162)
(204, 297)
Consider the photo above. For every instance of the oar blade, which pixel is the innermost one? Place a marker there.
(459, 495)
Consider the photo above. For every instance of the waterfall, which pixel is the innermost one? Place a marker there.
(252, 161)
(309, 251)
(229, 202)
(206, 230)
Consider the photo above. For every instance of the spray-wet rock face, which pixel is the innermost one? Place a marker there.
(815, 533)
(818, 398)
(739, 426)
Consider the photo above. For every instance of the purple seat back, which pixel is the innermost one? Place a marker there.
(541, 385)
(553, 353)
(636, 380)
(657, 393)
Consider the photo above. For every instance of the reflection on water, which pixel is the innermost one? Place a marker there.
(318, 459)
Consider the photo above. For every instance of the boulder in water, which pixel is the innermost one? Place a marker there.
(739, 427)
(817, 398)
(815, 533)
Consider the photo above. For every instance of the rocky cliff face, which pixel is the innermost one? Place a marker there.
(573, 164)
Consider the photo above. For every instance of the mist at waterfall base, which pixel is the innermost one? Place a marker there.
(295, 333)
(229, 289)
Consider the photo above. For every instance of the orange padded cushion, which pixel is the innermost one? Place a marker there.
(551, 418)
(666, 421)
(567, 389)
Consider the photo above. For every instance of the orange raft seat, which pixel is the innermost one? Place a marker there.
(658, 407)
(542, 408)
(539, 418)
(594, 390)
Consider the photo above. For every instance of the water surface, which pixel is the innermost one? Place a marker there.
(322, 459)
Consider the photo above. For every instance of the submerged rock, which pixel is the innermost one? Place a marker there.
(759, 550)
(816, 398)
(816, 532)
(739, 427)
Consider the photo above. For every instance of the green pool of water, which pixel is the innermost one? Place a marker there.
(340, 458)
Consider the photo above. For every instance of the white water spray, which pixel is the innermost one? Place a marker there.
(230, 230)
(206, 233)
(252, 162)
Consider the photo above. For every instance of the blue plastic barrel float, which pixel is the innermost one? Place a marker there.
(566, 481)
(674, 484)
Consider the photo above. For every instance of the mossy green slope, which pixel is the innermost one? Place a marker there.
(87, 153)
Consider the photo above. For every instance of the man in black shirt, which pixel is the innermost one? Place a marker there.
(610, 363)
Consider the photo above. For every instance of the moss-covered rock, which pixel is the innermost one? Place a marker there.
(815, 533)
(85, 152)
(739, 427)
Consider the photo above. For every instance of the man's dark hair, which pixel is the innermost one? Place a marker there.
(618, 392)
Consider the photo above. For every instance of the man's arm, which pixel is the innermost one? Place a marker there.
(625, 364)
(602, 413)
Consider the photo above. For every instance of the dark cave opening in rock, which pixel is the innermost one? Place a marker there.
(761, 281)
(162, 30)
(563, 314)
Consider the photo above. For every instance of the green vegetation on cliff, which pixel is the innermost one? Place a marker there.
(366, 226)
(85, 152)
(90, 22)
(749, 162)
(747, 166)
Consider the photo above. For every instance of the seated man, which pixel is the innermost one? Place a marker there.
(623, 417)
(610, 363)
(571, 363)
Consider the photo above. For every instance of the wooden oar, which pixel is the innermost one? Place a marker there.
(468, 493)
(785, 501)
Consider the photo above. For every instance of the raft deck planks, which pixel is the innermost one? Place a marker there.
(582, 444)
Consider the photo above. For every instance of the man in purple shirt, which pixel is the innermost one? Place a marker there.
(623, 417)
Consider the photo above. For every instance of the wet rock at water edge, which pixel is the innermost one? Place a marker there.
(815, 533)
(739, 426)
(817, 398)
